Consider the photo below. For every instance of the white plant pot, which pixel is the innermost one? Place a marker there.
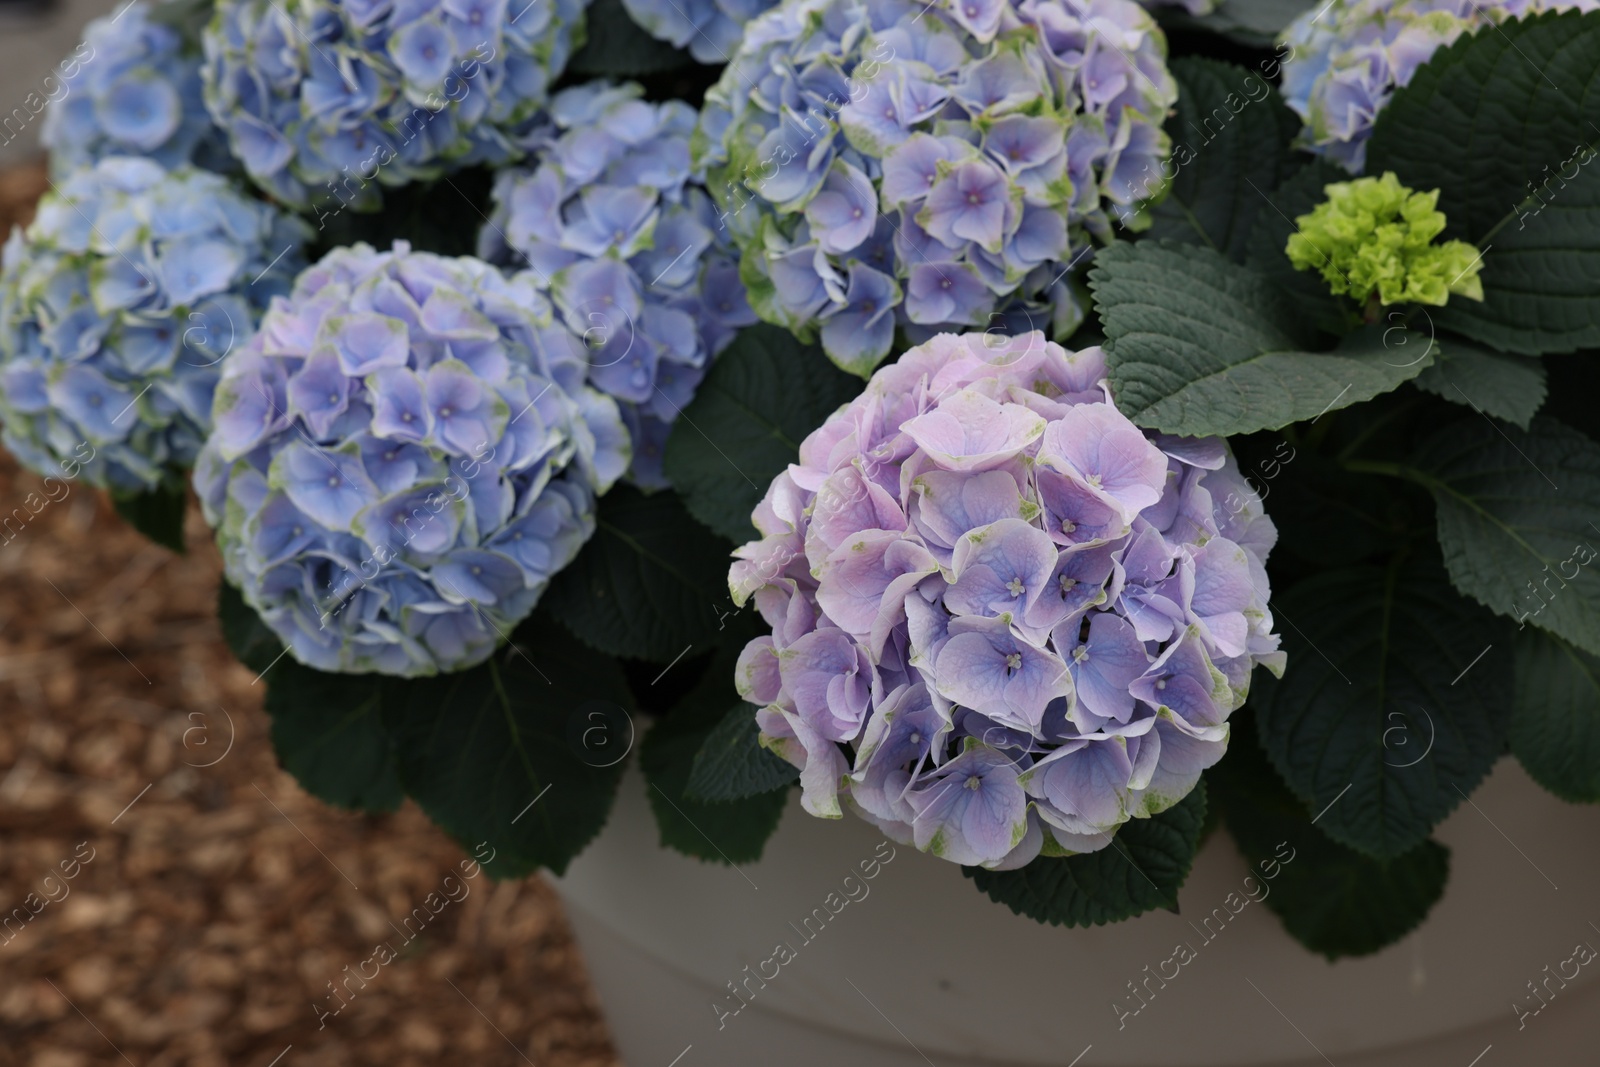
(923, 969)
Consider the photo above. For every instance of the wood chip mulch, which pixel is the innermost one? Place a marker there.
(212, 902)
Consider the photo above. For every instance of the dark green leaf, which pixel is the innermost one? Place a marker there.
(1332, 899)
(1555, 715)
(616, 46)
(156, 513)
(502, 753)
(1507, 387)
(1516, 521)
(248, 638)
(730, 830)
(648, 584)
(761, 399)
(1142, 868)
(732, 765)
(1528, 89)
(1230, 146)
(1202, 346)
(328, 732)
(1368, 723)
(1305, 290)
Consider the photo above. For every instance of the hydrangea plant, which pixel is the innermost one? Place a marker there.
(1349, 57)
(116, 307)
(135, 92)
(1372, 239)
(1004, 619)
(612, 225)
(322, 98)
(402, 457)
(887, 164)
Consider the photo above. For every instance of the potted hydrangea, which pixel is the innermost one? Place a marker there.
(747, 460)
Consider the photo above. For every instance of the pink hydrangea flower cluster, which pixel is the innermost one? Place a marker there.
(1005, 620)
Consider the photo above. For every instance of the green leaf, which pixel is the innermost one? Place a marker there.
(247, 637)
(1230, 137)
(1142, 868)
(744, 427)
(1256, 23)
(1555, 715)
(1507, 387)
(156, 513)
(501, 754)
(1304, 290)
(1332, 899)
(1516, 520)
(1369, 724)
(1528, 89)
(730, 829)
(648, 583)
(732, 765)
(1201, 346)
(328, 732)
(616, 46)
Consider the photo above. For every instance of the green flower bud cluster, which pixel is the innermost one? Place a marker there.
(1374, 236)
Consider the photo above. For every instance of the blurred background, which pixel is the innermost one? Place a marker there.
(213, 903)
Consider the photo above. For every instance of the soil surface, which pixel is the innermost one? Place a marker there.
(190, 904)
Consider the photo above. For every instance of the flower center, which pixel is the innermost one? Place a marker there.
(333, 481)
(1015, 586)
(1067, 584)
(1013, 662)
(1080, 654)
(444, 413)
(1094, 480)
(974, 782)
(1067, 526)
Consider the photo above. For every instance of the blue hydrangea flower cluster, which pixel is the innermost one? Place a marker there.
(321, 99)
(612, 225)
(888, 162)
(1005, 620)
(116, 306)
(1350, 56)
(402, 456)
(710, 29)
(132, 91)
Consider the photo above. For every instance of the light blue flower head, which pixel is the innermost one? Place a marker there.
(887, 163)
(1350, 56)
(709, 29)
(131, 89)
(612, 224)
(324, 100)
(401, 458)
(116, 307)
(1005, 620)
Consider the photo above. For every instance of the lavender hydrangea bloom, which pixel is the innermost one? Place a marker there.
(116, 307)
(1024, 618)
(900, 164)
(402, 457)
(1349, 57)
(131, 90)
(323, 98)
(709, 29)
(612, 224)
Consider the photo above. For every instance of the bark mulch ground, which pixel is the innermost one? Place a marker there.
(212, 902)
